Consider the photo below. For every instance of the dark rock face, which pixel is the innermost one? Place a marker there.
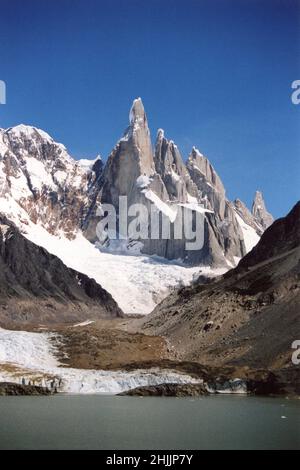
(252, 311)
(13, 389)
(35, 285)
(282, 236)
(261, 383)
(168, 390)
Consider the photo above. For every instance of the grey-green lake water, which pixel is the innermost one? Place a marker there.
(110, 422)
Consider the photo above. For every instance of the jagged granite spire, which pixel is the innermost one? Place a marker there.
(199, 162)
(224, 225)
(138, 134)
(131, 158)
(259, 211)
(62, 195)
(170, 166)
(137, 112)
(208, 181)
(243, 211)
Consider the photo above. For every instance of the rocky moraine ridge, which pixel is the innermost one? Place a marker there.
(248, 318)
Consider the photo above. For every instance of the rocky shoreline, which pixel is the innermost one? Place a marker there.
(259, 383)
(13, 389)
(168, 390)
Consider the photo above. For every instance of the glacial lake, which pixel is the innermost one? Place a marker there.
(110, 422)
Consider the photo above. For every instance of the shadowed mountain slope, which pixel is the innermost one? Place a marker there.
(37, 286)
(248, 317)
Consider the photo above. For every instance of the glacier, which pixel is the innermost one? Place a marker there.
(31, 356)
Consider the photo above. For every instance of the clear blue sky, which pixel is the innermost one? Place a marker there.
(216, 74)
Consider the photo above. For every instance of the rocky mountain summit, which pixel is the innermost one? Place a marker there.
(160, 178)
(245, 214)
(259, 211)
(41, 183)
(38, 175)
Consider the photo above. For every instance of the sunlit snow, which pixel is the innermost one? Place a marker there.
(31, 356)
(137, 282)
(250, 236)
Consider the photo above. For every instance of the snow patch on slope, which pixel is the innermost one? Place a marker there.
(39, 177)
(161, 206)
(250, 236)
(195, 206)
(143, 181)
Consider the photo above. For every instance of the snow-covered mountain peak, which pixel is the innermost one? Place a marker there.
(195, 152)
(160, 134)
(28, 141)
(30, 132)
(137, 112)
(38, 176)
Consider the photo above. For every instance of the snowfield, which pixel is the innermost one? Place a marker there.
(250, 236)
(32, 356)
(31, 350)
(137, 282)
